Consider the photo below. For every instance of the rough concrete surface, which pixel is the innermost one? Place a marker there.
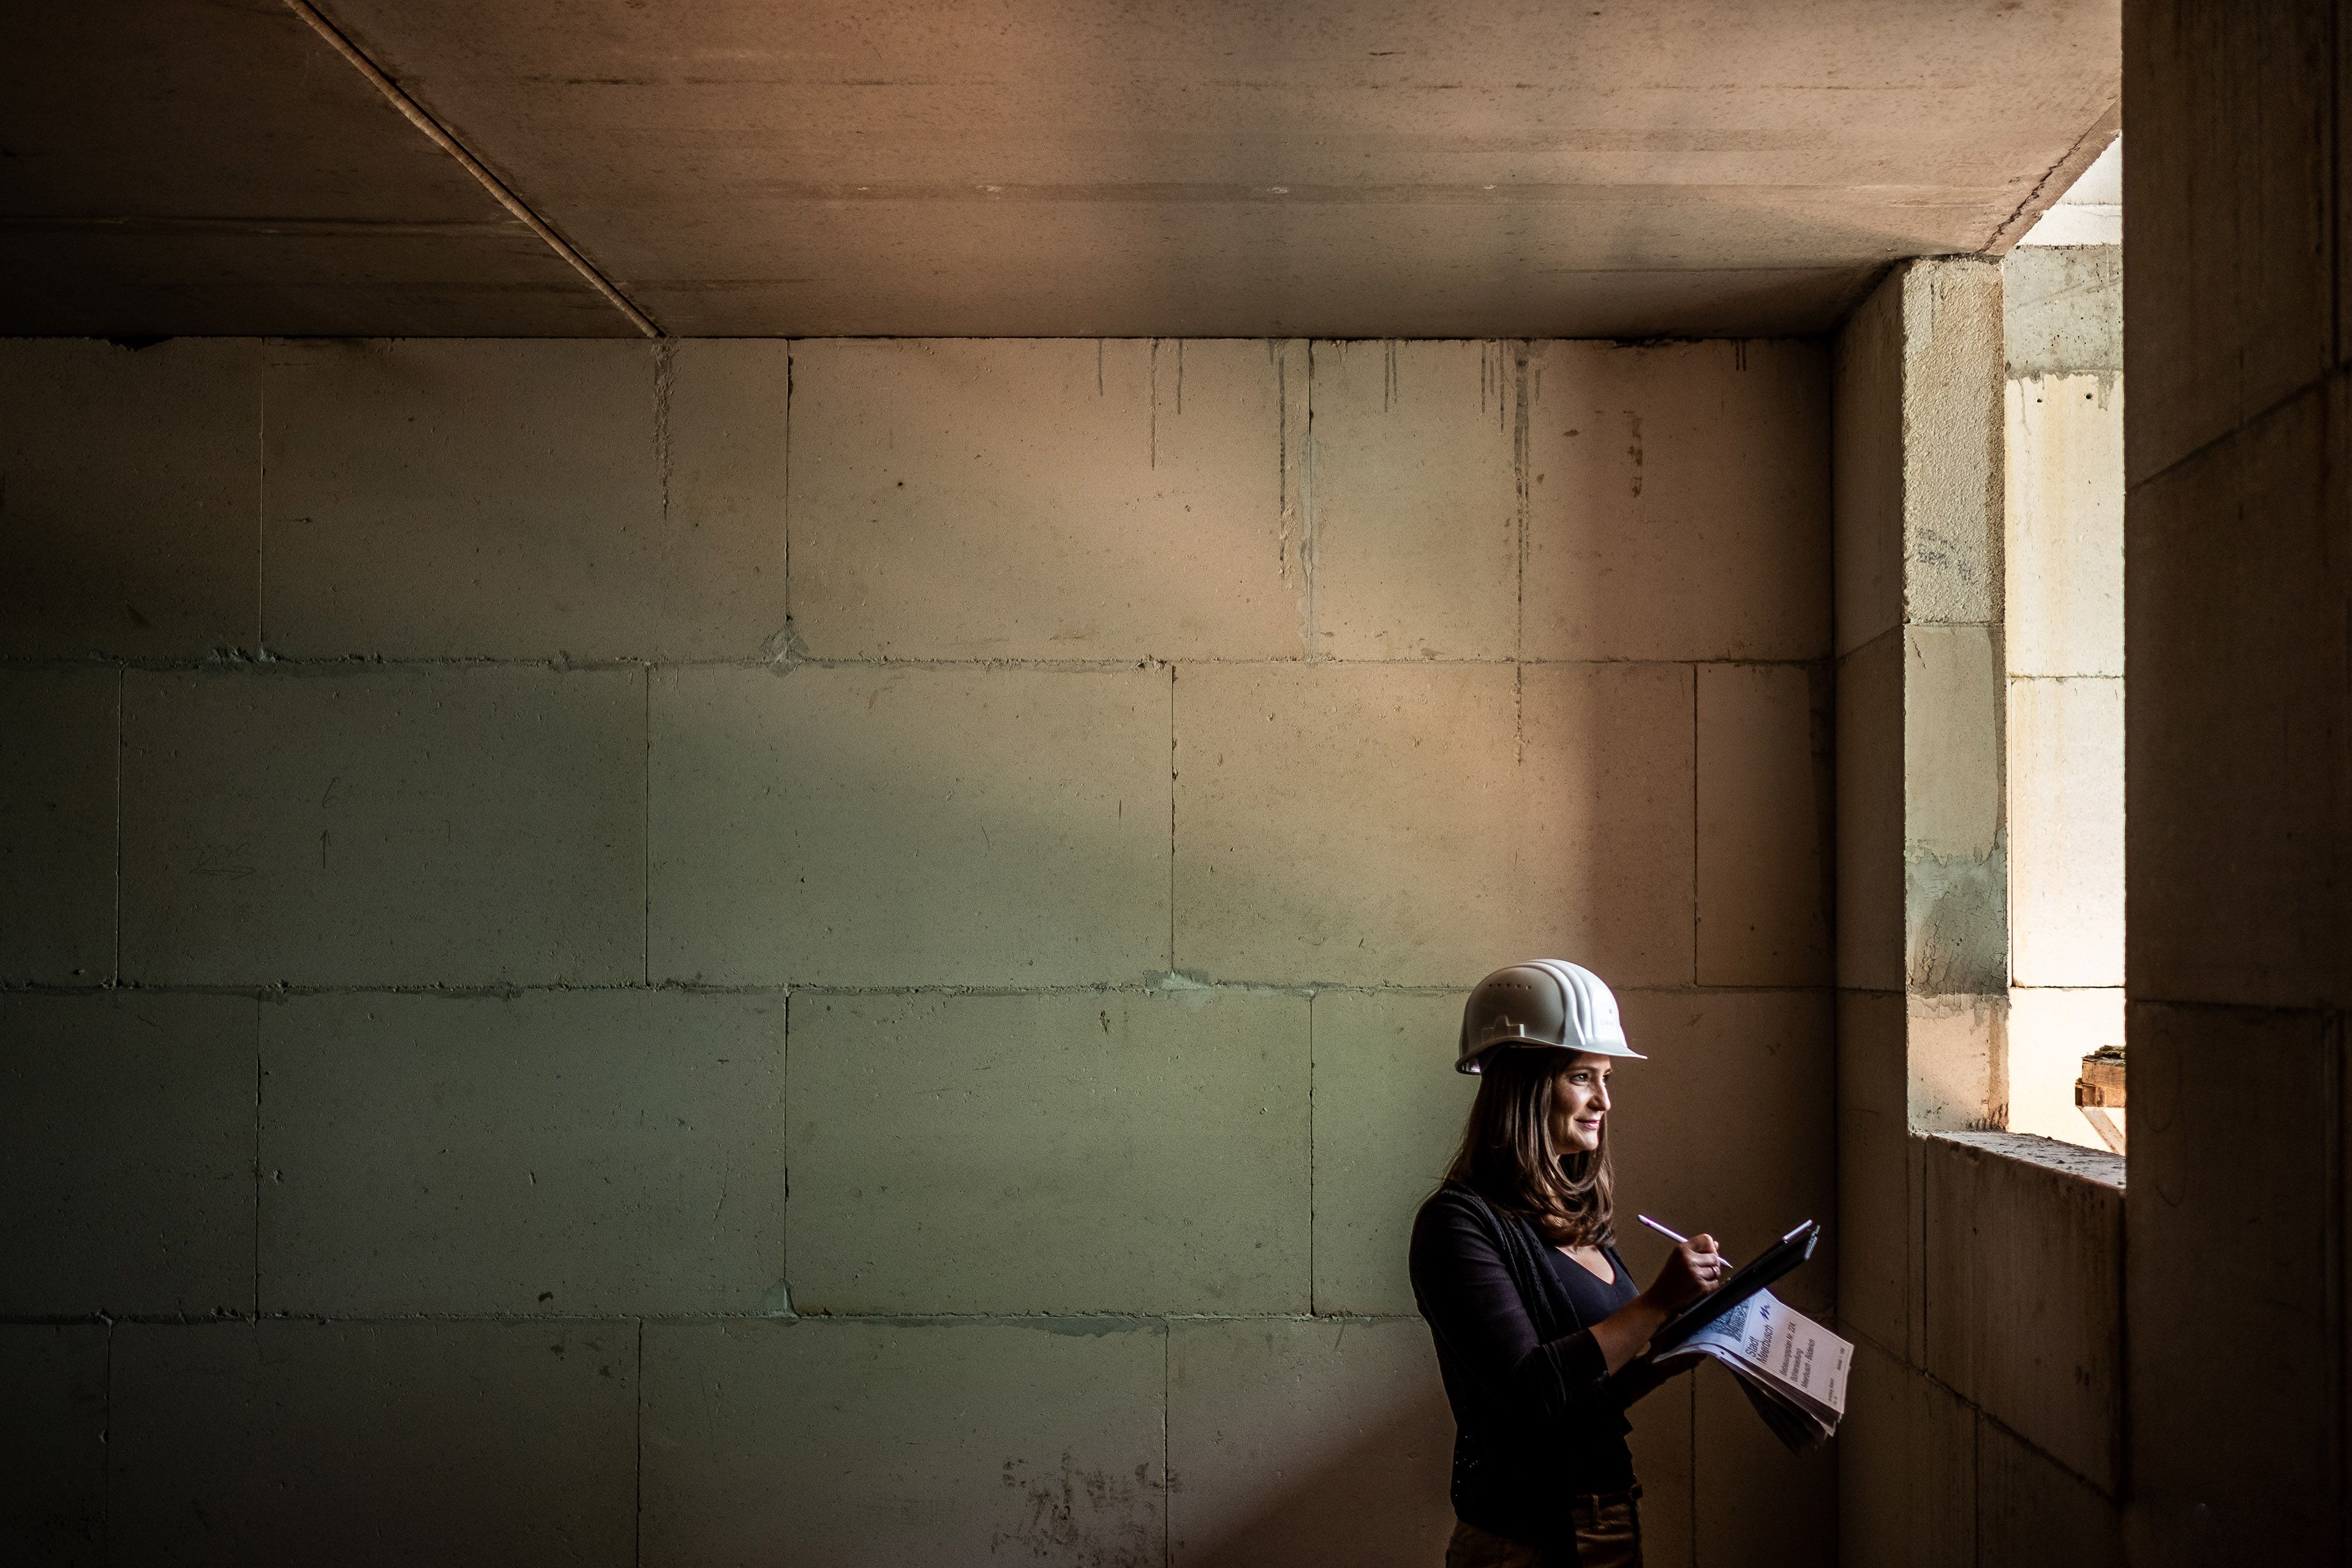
(2247, 1164)
(872, 826)
(471, 500)
(1870, 924)
(928, 1444)
(1388, 1110)
(473, 1443)
(1415, 499)
(1609, 854)
(1329, 822)
(2066, 832)
(1294, 1442)
(1196, 169)
(1678, 500)
(1756, 1503)
(2235, 305)
(1086, 1151)
(566, 1153)
(1956, 882)
(53, 1444)
(1049, 498)
(1877, 1265)
(126, 1150)
(1661, 1442)
(2236, 897)
(506, 938)
(2063, 309)
(2029, 1509)
(1765, 804)
(126, 526)
(1952, 382)
(1908, 1480)
(2065, 545)
(56, 826)
(1727, 1127)
(463, 827)
(2025, 1293)
(1375, 863)
(1867, 432)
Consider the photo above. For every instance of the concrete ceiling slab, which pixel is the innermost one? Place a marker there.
(186, 167)
(1081, 167)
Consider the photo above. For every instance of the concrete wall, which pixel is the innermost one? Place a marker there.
(2240, 833)
(847, 952)
(1982, 1272)
(2064, 634)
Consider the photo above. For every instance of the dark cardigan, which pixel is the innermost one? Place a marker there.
(1534, 1404)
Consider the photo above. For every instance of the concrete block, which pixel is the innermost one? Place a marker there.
(2029, 1509)
(133, 481)
(1766, 815)
(2065, 545)
(2066, 832)
(2231, 122)
(929, 1445)
(1662, 1440)
(1093, 1151)
(1339, 824)
(53, 1444)
(1866, 468)
(1954, 373)
(1878, 1268)
(1955, 872)
(56, 826)
(2260, 1164)
(2050, 1033)
(1678, 500)
(1388, 1110)
(126, 1150)
(2063, 311)
(2025, 1275)
(1295, 1442)
(1906, 1461)
(867, 826)
(1384, 862)
(1870, 817)
(1608, 852)
(1046, 498)
(1957, 1067)
(1757, 1504)
(567, 1152)
(373, 1443)
(1415, 499)
(523, 498)
(1729, 1126)
(384, 827)
(2237, 702)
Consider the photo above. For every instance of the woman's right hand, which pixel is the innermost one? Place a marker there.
(1691, 1272)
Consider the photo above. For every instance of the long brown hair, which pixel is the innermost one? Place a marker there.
(1509, 1158)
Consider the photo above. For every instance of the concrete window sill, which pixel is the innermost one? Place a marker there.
(2048, 1153)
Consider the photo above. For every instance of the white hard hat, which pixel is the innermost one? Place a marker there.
(1543, 1002)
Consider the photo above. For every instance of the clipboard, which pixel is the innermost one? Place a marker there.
(1776, 1261)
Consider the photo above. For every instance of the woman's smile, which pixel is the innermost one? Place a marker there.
(1579, 1103)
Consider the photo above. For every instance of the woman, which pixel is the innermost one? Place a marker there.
(1538, 1326)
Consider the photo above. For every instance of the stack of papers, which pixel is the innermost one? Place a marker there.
(1792, 1369)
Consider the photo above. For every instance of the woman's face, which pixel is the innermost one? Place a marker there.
(1579, 1102)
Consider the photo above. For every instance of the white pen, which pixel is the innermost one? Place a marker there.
(1682, 1240)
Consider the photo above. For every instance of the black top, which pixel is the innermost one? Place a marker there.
(1537, 1418)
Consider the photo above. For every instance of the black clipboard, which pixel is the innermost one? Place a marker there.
(1779, 1258)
